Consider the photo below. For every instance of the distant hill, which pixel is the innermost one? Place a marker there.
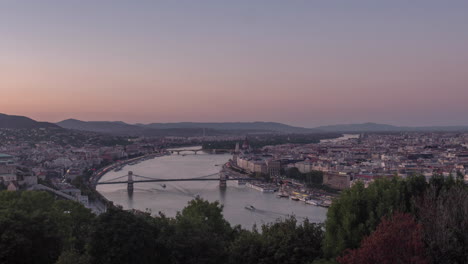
(365, 127)
(121, 128)
(255, 126)
(102, 127)
(22, 122)
(374, 127)
(181, 129)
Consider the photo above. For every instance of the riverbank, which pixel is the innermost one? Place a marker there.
(97, 175)
(285, 188)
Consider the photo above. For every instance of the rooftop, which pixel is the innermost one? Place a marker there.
(5, 156)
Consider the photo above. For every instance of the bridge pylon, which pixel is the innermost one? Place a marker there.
(130, 182)
(222, 181)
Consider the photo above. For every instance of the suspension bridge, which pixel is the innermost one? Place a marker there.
(130, 179)
(195, 151)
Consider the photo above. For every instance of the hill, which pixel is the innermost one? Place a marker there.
(121, 128)
(254, 126)
(102, 127)
(22, 122)
(365, 127)
(375, 127)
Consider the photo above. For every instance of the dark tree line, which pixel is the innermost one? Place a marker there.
(311, 179)
(393, 220)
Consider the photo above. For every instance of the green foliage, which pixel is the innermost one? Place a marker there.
(200, 234)
(443, 213)
(358, 210)
(397, 239)
(80, 182)
(73, 257)
(285, 241)
(34, 228)
(313, 178)
(122, 237)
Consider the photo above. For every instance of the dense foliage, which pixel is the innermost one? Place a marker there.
(35, 228)
(440, 206)
(311, 179)
(397, 239)
(359, 210)
(430, 225)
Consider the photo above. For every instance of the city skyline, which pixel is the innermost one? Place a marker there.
(303, 63)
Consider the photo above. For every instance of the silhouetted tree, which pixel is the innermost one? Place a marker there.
(285, 241)
(200, 234)
(444, 217)
(124, 237)
(358, 210)
(397, 239)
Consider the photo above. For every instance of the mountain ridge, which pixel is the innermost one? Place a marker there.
(22, 122)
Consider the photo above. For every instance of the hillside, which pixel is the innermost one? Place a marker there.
(22, 122)
(374, 127)
(256, 126)
(102, 127)
(121, 128)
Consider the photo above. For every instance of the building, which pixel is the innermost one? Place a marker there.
(335, 180)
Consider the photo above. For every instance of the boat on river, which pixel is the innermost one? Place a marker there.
(250, 208)
(282, 195)
(314, 202)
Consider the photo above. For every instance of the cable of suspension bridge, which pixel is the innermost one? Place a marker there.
(110, 180)
(149, 178)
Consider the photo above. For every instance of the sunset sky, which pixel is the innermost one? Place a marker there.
(304, 63)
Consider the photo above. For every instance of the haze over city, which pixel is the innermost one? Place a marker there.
(305, 63)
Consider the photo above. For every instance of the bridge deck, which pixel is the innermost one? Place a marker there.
(182, 180)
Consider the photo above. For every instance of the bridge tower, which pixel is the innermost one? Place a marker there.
(222, 181)
(130, 182)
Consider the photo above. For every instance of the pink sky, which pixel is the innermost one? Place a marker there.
(294, 63)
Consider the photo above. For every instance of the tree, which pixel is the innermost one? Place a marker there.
(358, 211)
(443, 214)
(200, 234)
(289, 242)
(285, 241)
(397, 239)
(73, 257)
(124, 237)
(248, 248)
(34, 228)
(294, 173)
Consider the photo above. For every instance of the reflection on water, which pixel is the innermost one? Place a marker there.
(175, 196)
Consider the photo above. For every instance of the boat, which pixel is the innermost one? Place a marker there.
(250, 208)
(326, 203)
(314, 202)
(163, 185)
(294, 198)
(282, 195)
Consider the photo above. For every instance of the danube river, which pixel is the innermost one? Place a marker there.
(174, 197)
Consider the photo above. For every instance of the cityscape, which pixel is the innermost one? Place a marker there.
(237, 132)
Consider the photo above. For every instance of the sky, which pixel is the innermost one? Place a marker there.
(300, 62)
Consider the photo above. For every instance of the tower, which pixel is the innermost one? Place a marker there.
(130, 182)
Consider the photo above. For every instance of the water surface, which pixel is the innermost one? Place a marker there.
(176, 195)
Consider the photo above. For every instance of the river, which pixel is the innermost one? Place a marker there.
(154, 197)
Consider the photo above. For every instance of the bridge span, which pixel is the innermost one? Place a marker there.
(130, 181)
(195, 151)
